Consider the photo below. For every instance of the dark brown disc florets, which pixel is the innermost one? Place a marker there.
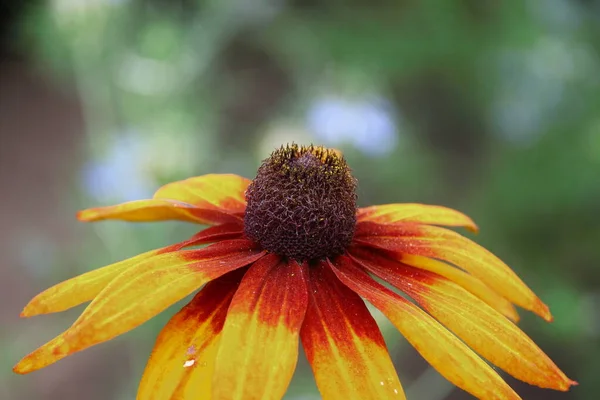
(302, 203)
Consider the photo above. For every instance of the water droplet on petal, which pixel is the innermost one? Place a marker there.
(188, 363)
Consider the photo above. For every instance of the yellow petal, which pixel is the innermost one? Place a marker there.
(182, 362)
(412, 212)
(344, 345)
(444, 351)
(139, 293)
(258, 349)
(85, 287)
(465, 280)
(208, 199)
(80, 289)
(219, 191)
(477, 324)
(156, 210)
(440, 243)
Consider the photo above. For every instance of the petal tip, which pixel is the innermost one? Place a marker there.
(21, 368)
(30, 311)
(542, 310)
(33, 308)
(566, 384)
(545, 313)
(85, 215)
(472, 228)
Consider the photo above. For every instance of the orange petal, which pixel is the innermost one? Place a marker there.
(182, 362)
(343, 343)
(435, 242)
(444, 351)
(412, 212)
(258, 349)
(139, 293)
(85, 287)
(476, 323)
(208, 199)
(468, 282)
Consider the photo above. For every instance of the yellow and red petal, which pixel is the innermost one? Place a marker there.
(440, 243)
(343, 343)
(85, 287)
(477, 324)
(419, 213)
(208, 199)
(157, 210)
(258, 349)
(466, 281)
(216, 233)
(182, 361)
(444, 351)
(217, 191)
(140, 293)
(461, 278)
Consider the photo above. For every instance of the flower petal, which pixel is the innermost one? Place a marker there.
(343, 343)
(219, 191)
(413, 212)
(466, 281)
(182, 362)
(461, 278)
(217, 233)
(85, 287)
(139, 293)
(258, 350)
(156, 210)
(80, 289)
(477, 324)
(444, 351)
(435, 242)
(207, 199)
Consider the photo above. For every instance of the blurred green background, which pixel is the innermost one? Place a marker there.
(491, 107)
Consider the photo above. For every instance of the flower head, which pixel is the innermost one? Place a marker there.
(302, 204)
(290, 258)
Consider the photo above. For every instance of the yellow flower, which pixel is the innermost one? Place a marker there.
(291, 259)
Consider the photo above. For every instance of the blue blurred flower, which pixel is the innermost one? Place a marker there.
(121, 174)
(365, 123)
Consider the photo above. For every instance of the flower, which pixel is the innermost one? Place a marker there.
(367, 123)
(291, 259)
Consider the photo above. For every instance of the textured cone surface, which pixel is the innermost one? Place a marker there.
(302, 203)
